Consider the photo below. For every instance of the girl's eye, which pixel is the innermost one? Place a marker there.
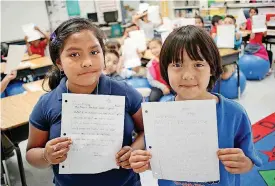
(177, 64)
(74, 55)
(199, 65)
(94, 52)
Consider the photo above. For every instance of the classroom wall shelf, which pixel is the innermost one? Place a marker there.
(186, 7)
(248, 5)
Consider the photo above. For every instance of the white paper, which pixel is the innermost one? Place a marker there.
(130, 55)
(96, 124)
(154, 14)
(225, 36)
(184, 141)
(15, 55)
(139, 39)
(143, 7)
(29, 31)
(258, 23)
(241, 17)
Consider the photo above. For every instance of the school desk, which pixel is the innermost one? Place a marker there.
(36, 86)
(15, 112)
(26, 57)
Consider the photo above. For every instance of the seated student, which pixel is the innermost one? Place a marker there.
(199, 21)
(37, 46)
(216, 20)
(4, 51)
(111, 64)
(7, 79)
(255, 45)
(141, 20)
(159, 86)
(113, 45)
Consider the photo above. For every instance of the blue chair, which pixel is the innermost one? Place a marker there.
(14, 88)
(3, 94)
(166, 98)
(254, 67)
(139, 82)
(229, 88)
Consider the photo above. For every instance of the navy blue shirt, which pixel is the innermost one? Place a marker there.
(234, 131)
(46, 116)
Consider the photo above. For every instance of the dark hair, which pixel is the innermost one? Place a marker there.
(112, 52)
(198, 45)
(58, 38)
(231, 17)
(199, 17)
(112, 44)
(215, 19)
(155, 40)
(255, 9)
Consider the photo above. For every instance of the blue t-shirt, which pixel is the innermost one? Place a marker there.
(46, 116)
(234, 131)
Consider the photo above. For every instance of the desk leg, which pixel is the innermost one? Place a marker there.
(4, 167)
(20, 164)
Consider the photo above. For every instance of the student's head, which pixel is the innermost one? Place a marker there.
(216, 20)
(229, 20)
(155, 47)
(253, 11)
(190, 62)
(77, 49)
(111, 61)
(199, 21)
(145, 17)
(35, 42)
(113, 45)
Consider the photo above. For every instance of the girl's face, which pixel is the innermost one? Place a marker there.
(111, 61)
(189, 78)
(198, 23)
(228, 21)
(82, 58)
(155, 48)
(252, 12)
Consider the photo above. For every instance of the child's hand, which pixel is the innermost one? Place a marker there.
(235, 160)
(36, 28)
(166, 91)
(12, 75)
(26, 39)
(122, 157)
(139, 160)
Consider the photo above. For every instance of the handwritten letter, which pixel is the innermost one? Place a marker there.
(96, 124)
(182, 137)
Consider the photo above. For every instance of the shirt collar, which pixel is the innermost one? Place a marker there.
(104, 87)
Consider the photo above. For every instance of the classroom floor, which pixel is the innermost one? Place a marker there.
(258, 99)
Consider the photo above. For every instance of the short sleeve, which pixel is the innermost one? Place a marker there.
(43, 43)
(244, 140)
(133, 99)
(38, 117)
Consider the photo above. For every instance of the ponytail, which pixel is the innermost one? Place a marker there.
(53, 77)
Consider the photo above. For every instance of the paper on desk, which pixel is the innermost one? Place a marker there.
(258, 23)
(183, 142)
(15, 55)
(130, 55)
(225, 36)
(154, 14)
(29, 31)
(96, 124)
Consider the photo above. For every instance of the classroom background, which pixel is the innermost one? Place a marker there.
(251, 81)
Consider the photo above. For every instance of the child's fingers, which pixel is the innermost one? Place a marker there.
(125, 157)
(139, 158)
(232, 170)
(231, 157)
(125, 163)
(142, 169)
(231, 164)
(141, 152)
(139, 165)
(123, 151)
(229, 151)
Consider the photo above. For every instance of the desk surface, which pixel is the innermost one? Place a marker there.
(36, 86)
(27, 57)
(32, 64)
(245, 32)
(15, 110)
(227, 51)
